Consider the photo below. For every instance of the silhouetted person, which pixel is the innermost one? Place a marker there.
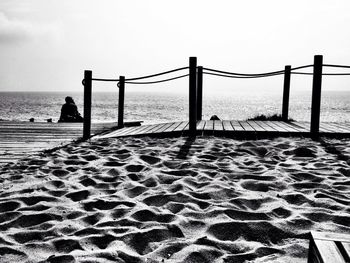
(69, 112)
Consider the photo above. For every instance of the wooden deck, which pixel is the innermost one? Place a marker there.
(244, 129)
(329, 248)
(20, 139)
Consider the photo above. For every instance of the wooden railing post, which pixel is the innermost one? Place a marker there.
(199, 92)
(87, 104)
(286, 89)
(193, 96)
(121, 102)
(316, 96)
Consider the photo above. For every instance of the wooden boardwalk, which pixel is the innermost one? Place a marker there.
(244, 129)
(20, 139)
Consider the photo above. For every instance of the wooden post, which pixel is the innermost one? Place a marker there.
(316, 96)
(121, 102)
(199, 93)
(87, 104)
(286, 88)
(193, 96)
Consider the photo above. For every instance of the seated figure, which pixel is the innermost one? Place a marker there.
(69, 112)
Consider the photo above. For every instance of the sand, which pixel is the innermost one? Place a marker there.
(174, 200)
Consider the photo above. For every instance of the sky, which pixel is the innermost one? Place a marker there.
(45, 45)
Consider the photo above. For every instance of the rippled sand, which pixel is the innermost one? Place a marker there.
(174, 200)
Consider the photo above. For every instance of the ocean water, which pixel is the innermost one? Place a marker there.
(154, 107)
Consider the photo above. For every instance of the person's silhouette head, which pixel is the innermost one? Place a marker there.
(69, 100)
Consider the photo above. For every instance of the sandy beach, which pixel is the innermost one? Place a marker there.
(174, 200)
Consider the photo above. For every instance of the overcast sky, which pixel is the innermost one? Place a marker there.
(45, 45)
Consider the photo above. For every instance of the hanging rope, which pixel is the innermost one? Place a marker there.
(155, 75)
(159, 81)
(324, 74)
(335, 66)
(246, 75)
(301, 67)
(240, 77)
(106, 79)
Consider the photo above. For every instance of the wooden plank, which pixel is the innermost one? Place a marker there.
(331, 236)
(113, 134)
(236, 126)
(287, 127)
(296, 126)
(181, 127)
(21, 139)
(326, 128)
(173, 127)
(339, 127)
(160, 126)
(265, 126)
(344, 125)
(135, 131)
(256, 126)
(218, 125)
(165, 127)
(329, 251)
(295, 129)
(346, 247)
(304, 125)
(200, 125)
(128, 132)
(277, 127)
(209, 125)
(186, 128)
(142, 129)
(227, 125)
(246, 126)
(149, 129)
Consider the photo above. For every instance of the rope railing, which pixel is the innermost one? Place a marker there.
(335, 66)
(240, 77)
(323, 74)
(156, 75)
(159, 81)
(144, 77)
(301, 67)
(221, 73)
(116, 80)
(225, 74)
(244, 74)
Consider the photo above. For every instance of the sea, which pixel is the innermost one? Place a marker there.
(156, 107)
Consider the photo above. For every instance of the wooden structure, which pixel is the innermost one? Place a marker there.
(20, 139)
(286, 89)
(195, 74)
(329, 248)
(316, 95)
(242, 129)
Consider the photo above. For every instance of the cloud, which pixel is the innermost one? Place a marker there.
(13, 31)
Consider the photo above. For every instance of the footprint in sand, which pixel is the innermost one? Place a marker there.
(150, 159)
(61, 259)
(60, 172)
(133, 168)
(79, 195)
(135, 191)
(67, 245)
(34, 219)
(12, 255)
(9, 206)
(147, 215)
